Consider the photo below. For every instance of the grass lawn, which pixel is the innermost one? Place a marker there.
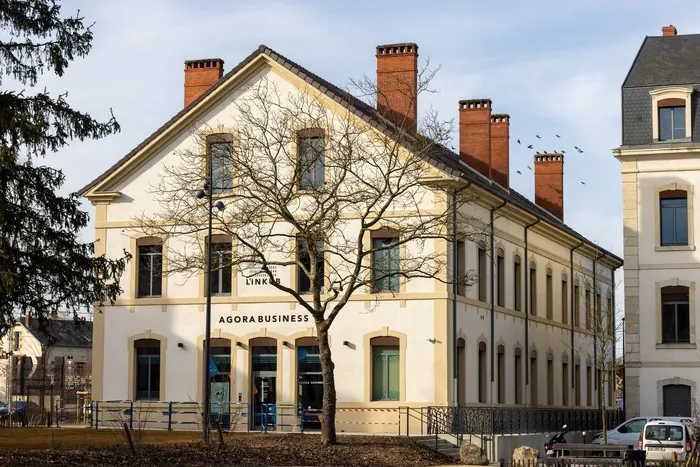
(82, 446)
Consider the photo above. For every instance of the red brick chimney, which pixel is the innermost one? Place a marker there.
(397, 84)
(200, 75)
(475, 134)
(549, 183)
(500, 140)
(669, 30)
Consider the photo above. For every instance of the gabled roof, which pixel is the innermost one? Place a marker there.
(666, 60)
(440, 157)
(62, 332)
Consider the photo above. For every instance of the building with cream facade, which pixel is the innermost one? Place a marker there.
(517, 337)
(659, 156)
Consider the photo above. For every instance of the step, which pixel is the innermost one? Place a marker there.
(432, 444)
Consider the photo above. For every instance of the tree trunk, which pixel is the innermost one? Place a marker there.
(329, 396)
(601, 401)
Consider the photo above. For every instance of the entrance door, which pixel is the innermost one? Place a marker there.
(220, 382)
(264, 381)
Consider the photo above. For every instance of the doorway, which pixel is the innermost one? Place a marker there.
(264, 381)
(220, 382)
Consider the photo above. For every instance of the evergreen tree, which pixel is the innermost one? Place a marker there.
(44, 266)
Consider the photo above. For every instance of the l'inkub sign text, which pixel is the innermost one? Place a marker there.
(256, 276)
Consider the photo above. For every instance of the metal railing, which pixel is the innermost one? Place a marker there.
(490, 421)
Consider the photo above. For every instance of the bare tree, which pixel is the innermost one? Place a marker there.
(310, 185)
(601, 340)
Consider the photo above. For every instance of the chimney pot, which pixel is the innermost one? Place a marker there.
(549, 183)
(397, 84)
(669, 30)
(200, 75)
(475, 134)
(500, 149)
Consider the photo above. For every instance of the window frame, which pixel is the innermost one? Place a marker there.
(216, 139)
(674, 188)
(321, 262)
(675, 292)
(675, 113)
(577, 304)
(517, 283)
(149, 243)
(482, 272)
(500, 278)
(564, 299)
(549, 287)
(219, 273)
(461, 252)
(532, 286)
(671, 95)
(382, 234)
(301, 136)
(378, 337)
(148, 340)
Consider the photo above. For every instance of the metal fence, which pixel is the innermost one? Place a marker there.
(481, 421)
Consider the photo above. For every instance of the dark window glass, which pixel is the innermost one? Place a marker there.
(150, 270)
(15, 341)
(482, 274)
(385, 264)
(222, 166)
(517, 284)
(264, 358)
(533, 291)
(675, 318)
(671, 123)
(310, 378)
(148, 373)
(305, 259)
(501, 281)
(312, 164)
(674, 221)
(221, 276)
(461, 268)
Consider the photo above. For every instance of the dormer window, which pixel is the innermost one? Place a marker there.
(671, 121)
(671, 117)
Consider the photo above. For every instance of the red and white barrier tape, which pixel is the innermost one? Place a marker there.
(367, 410)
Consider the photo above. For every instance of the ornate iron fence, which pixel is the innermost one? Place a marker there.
(482, 421)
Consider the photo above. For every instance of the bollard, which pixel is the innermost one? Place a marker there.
(131, 415)
(170, 416)
(97, 413)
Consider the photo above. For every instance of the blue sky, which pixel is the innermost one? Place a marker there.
(555, 66)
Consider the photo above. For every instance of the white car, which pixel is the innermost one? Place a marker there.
(629, 431)
(663, 439)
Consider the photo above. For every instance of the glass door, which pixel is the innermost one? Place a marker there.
(264, 384)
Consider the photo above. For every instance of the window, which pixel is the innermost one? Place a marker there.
(598, 325)
(309, 376)
(462, 372)
(671, 122)
(304, 282)
(481, 271)
(147, 369)
(534, 379)
(221, 276)
(550, 379)
(461, 268)
(533, 288)
(674, 217)
(564, 300)
(577, 383)
(518, 374)
(565, 381)
(589, 385)
(220, 148)
(550, 295)
(577, 304)
(482, 372)
(609, 315)
(588, 310)
(150, 264)
(386, 369)
(635, 426)
(517, 284)
(312, 163)
(501, 279)
(675, 315)
(501, 364)
(677, 400)
(15, 341)
(385, 261)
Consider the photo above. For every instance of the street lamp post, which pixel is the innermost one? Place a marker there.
(208, 191)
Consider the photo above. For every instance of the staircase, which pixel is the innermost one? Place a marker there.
(443, 446)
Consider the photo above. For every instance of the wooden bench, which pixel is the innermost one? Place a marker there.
(590, 448)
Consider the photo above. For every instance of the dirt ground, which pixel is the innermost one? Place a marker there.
(85, 447)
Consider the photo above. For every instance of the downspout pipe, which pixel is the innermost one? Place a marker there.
(595, 331)
(572, 311)
(455, 363)
(526, 263)
(493, 289)
(614, 328)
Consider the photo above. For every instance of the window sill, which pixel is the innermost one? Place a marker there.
(671, 141)
(680, 345)
(675, 248)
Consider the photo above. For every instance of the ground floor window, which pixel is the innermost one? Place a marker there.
(386, 369)
(309, 376)
(220, 380)
(677, 400)
(147, 369)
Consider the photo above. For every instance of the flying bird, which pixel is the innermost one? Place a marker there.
(563, 152)
(530, 146)
(519, 172)
(583, 183)
(537, 136)
(518, 141)
(577, 148)
(557, 136)
(529, 167)
(537, 152)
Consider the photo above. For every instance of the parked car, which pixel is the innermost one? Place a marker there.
(19, 408)
(661, 439)
(628, 432)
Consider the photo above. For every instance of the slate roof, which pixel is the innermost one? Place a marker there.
(666, 60)
(63, 332)
(440, 157)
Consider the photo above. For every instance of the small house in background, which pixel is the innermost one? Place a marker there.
(43, 364)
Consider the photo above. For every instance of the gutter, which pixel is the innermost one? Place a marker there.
(526, 269)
